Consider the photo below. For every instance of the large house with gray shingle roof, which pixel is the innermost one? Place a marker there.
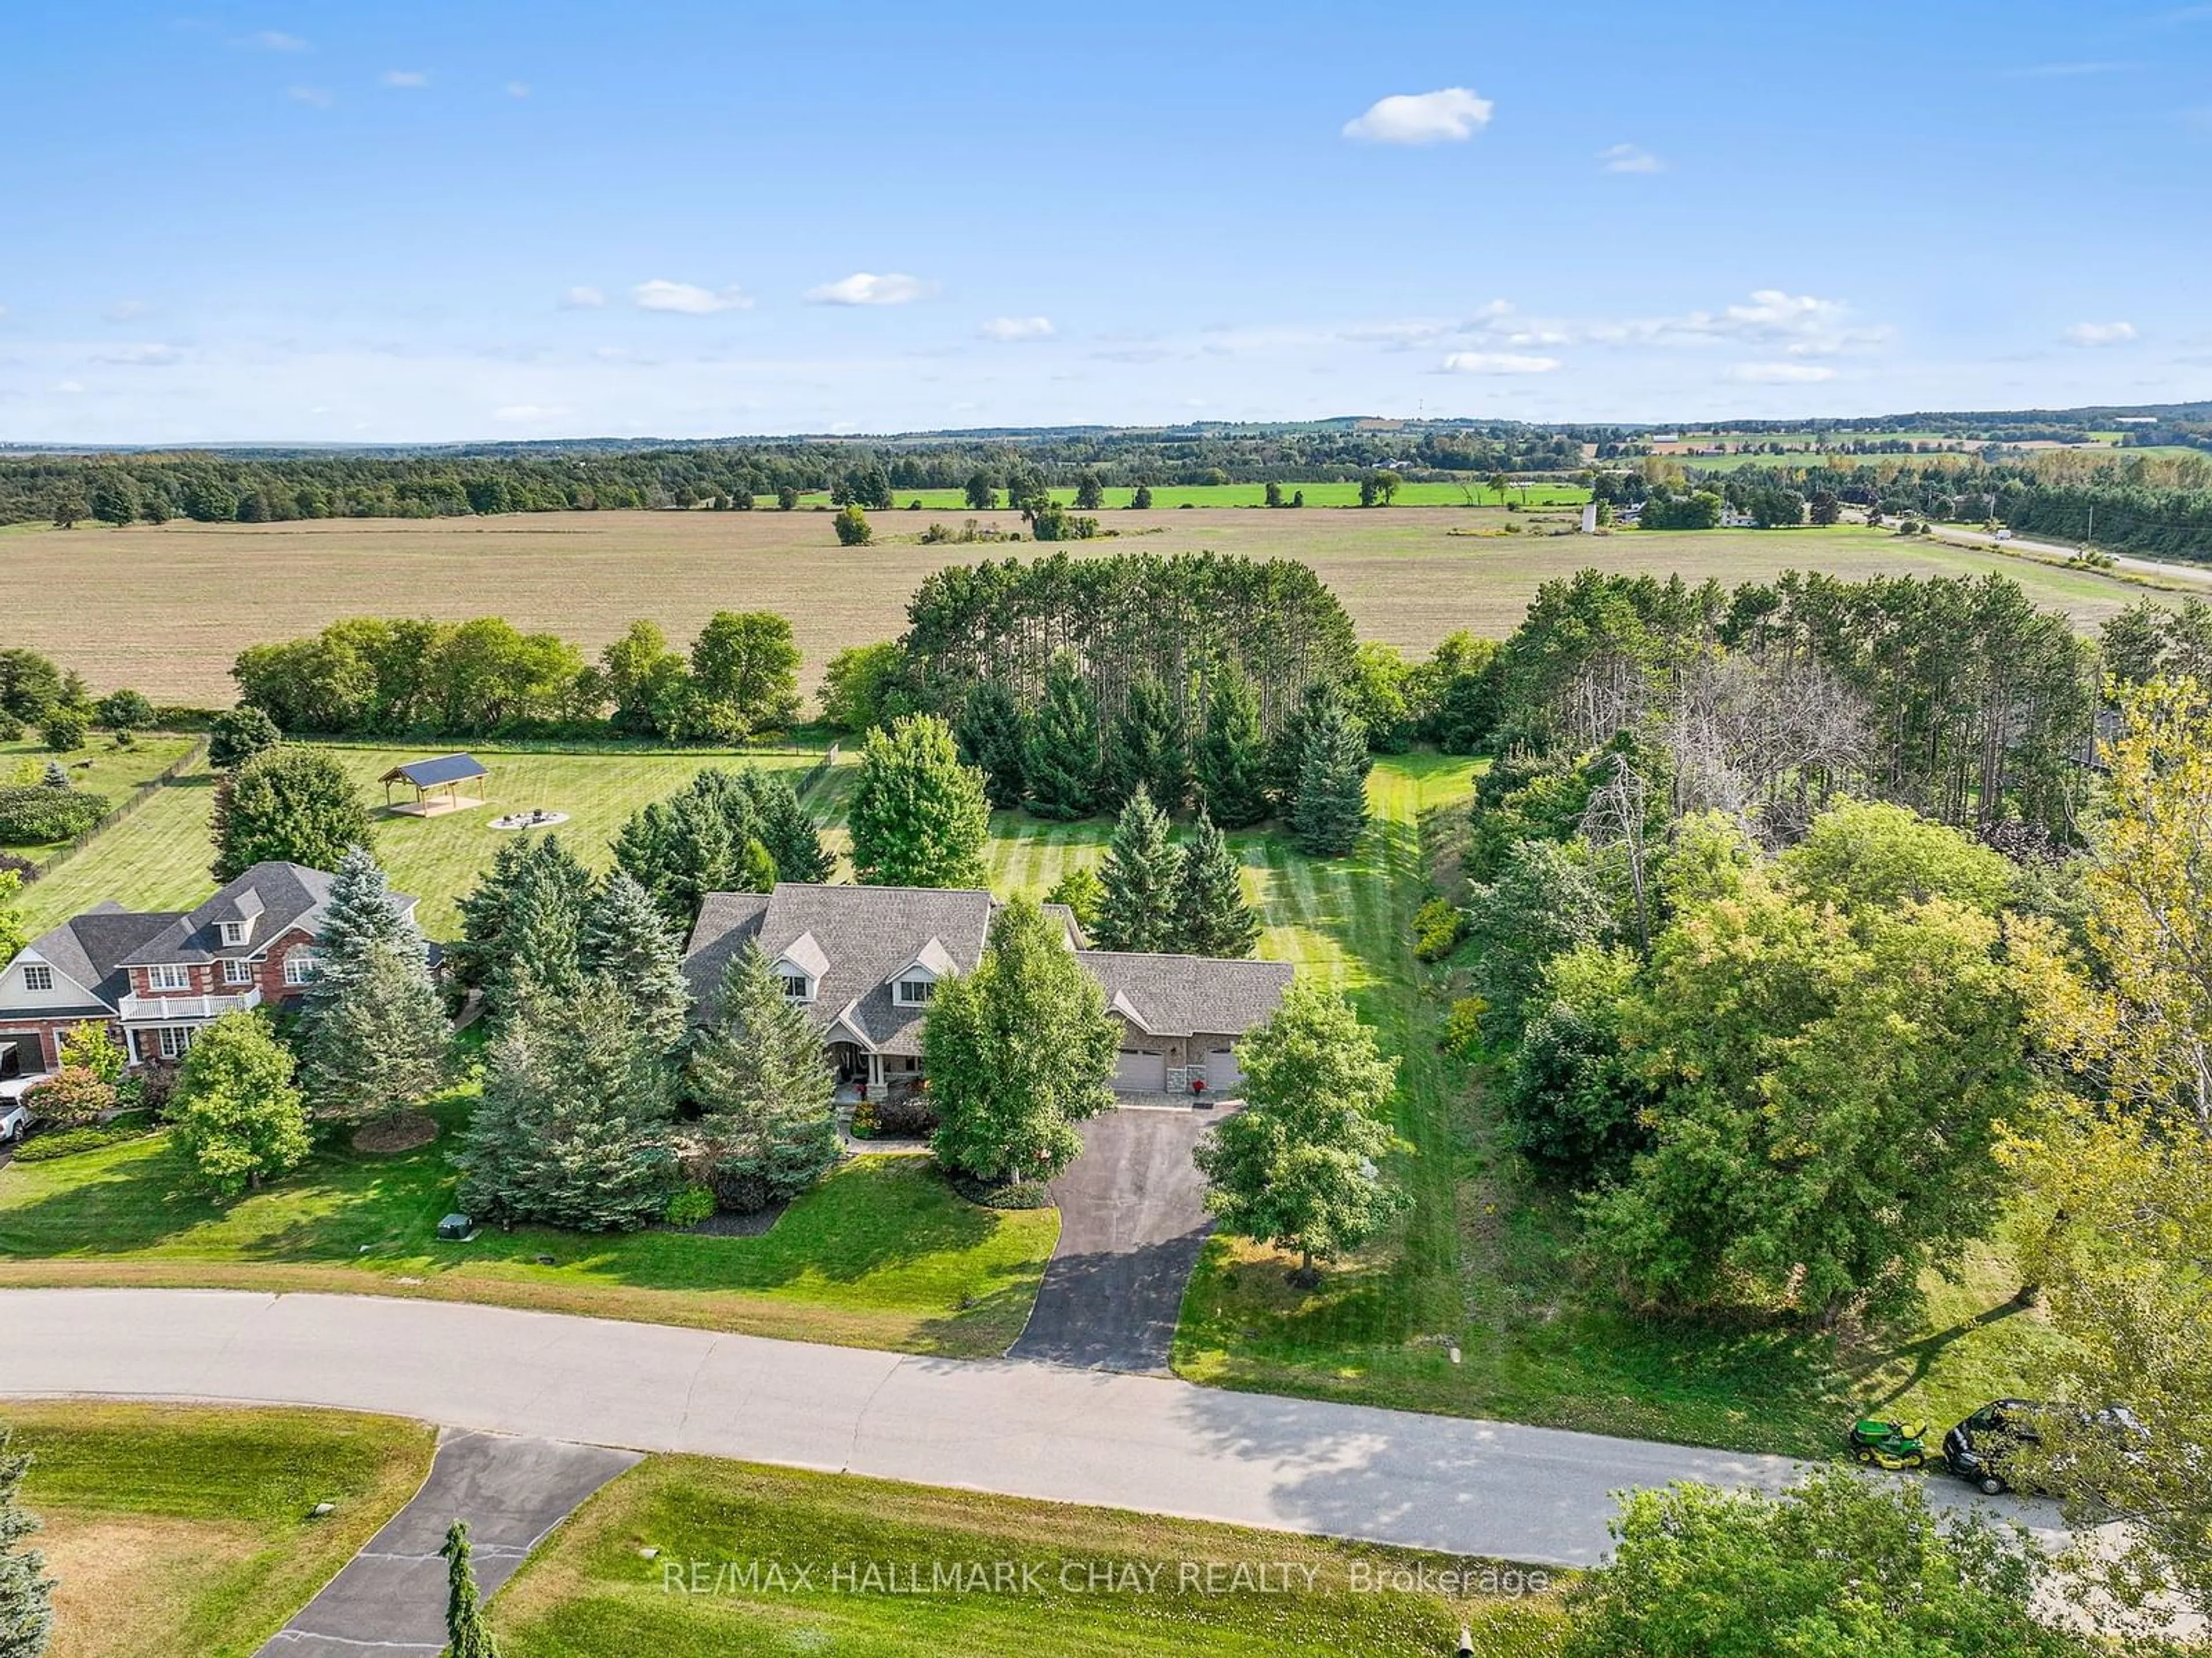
(157, 976)
(864, 962)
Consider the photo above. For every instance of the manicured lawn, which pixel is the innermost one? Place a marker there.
(882, 1254)
(177, 1530)
(1483, 1261)
(157, 858)
(1097, 1581)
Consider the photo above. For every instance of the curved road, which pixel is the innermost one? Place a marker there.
(1020, 1429)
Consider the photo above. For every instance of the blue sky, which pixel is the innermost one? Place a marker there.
(406, 221)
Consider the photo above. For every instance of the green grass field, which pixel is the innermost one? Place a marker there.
(882, 1254)
(158, 858)
(179, 1529)
(1097, 1581)
(1174, 497)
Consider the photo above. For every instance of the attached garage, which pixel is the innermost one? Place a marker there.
(1139, 1072)
(1223, 1074)
(21, 1055)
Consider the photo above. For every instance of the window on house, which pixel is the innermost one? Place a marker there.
(238, 972)
(38, 976)
(797, 986)
(913, 992)
(169, 977)
(175, 1039)
(299, 968)
(234, 933)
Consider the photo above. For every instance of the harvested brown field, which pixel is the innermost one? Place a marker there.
(167, 608)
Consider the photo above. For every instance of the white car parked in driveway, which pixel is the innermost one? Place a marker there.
(13, 1120)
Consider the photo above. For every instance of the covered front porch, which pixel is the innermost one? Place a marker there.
(867, 1074)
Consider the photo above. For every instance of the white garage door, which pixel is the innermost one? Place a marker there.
(1222, 1073)
(1140, 1074)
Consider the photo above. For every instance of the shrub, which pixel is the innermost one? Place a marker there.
(33, 815)
(65, 730)
(13, 863)
(1438, 926)
(904, 1116)
(689, 1206)
(1463, 1026)
(124, 711)
(236, 735)
(852, 526)
(70, 1098)
(92, 1047)
(148, 1089)
(126, 1126)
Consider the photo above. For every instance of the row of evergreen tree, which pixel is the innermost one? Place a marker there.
(726, 831)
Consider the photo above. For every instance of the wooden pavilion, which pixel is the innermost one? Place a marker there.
(437, 785)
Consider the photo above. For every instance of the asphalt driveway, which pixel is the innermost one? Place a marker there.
(391, 1597)
(1131, 1217)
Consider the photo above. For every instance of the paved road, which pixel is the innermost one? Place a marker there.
(391, 1597)
(2184, 575)
(1025, 1430)
(1131, 1217)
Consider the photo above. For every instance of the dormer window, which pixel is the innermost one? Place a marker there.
(234, 933)
(914, 991)
(797, 986)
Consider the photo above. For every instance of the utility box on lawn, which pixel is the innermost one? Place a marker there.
(455, 1229)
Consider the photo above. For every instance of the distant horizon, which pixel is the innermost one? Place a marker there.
(2188, 408)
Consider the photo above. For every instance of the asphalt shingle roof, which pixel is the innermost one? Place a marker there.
(276, 897)
(865, 935)
(1182, 995)
(90, 948)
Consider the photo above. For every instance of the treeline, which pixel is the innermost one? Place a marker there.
(1956, 697)
(370, 677)
(258, 488)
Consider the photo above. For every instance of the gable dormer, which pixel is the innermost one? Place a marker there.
(913, 985)
(235, 932)
(801, 967)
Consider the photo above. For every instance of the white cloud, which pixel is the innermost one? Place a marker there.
(1016, 328)
(863, 287)
(409, 78)
(687, 298)
(317, 96)
(1799, 324)
(518, 89)
(2101, 333)
(1450, 113)
(1497, 363)
(1781, 373)
(526, 412)
(585, 297)
(1630, 158)
(123, 310)
(70, 387)
(142, 356)
(274, 40)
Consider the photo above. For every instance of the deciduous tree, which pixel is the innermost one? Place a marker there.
(237, 735)
(1299, 1167)
(918, 817)
(1018, 1052)
(289, 805)
(235, 1114)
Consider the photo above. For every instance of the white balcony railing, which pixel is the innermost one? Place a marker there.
(173, 1010)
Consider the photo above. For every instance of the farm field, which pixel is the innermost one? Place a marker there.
(1175, 497)
(586, 1594)
(167, 608)
(158, 858)
(178, 1529)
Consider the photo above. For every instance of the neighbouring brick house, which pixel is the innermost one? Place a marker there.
(157, 977)
(864, 961)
